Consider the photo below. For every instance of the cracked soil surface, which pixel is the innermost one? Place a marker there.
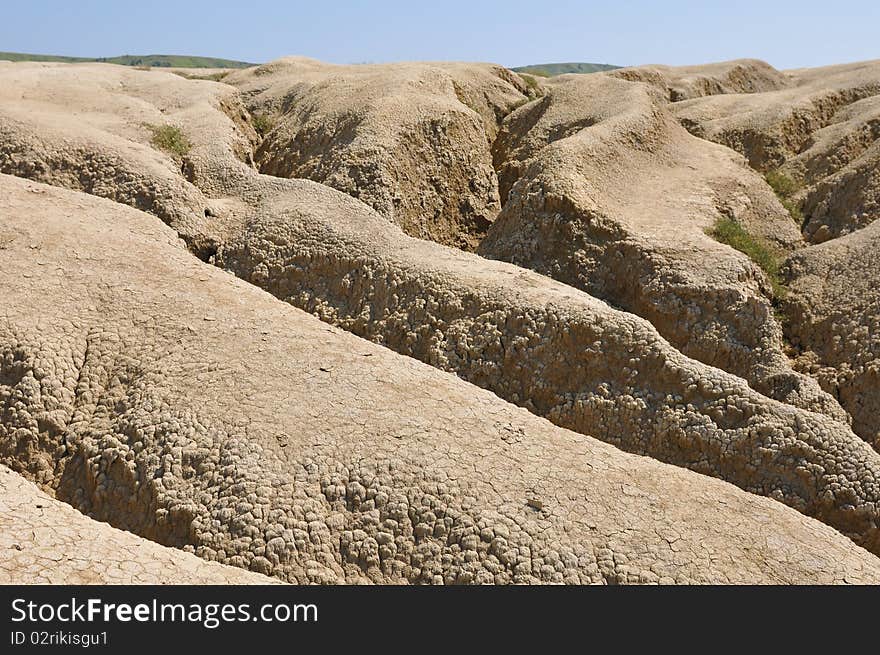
(438, 323)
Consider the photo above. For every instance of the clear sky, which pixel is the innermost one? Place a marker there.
(786, 33)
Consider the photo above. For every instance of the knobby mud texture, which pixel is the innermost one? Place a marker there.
(835, 315)
(271, 441)
(45, 541)
(558, 352)
(570, 161)
(320, 459)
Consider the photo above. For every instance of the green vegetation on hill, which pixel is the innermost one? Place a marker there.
(263, 124)
(785, 187)
(549, 70)
(761, 252)
(170, 139)
(153, 61)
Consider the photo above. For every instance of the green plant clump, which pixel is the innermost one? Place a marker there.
(211, 77)
(794, 210)
(170, 139)
(263, 124)
(781, 183)
(768, 258)
(533, 89)
(785, 188)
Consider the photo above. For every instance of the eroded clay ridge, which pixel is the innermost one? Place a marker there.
(407, 139)
(821, 136)
(834, 310)
(608, 193)
(88, 128)
(45, 541)
(718, 316)
(822, 130)
(410, 140)
(679, 83)
(173, 400)
(541, 344)
(559, 352)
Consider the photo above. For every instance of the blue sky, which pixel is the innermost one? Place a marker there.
(785, 33)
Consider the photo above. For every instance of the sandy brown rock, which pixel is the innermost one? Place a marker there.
(87, 127)
(834, 310)
(685, 82)
(491, 324)
(229, 423)
(45, 541)
(607, 193)
(559, 352)
(822, 131)
(410, 140)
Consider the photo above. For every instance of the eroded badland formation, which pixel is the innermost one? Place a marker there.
(440, 323)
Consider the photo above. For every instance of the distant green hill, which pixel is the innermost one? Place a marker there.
(549, 70)
(157, 61)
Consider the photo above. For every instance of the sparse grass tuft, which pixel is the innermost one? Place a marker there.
(733, 234)
(785, 187)
(143, 68)
(533, 87)
(782, 184)
(794, 211)
(263, 124)
(170, 139)
(519, 103)
(211, 77)
(531, 82)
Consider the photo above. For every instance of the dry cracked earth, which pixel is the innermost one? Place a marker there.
(440, 323)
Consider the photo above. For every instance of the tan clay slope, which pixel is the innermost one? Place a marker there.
(823, 131)
(609, 194)
(59, 108)
(87, 127)
(834, 312)
(491, 323)
(44, 541)
(684, 82)
(559, 352)
(410, 140)
(174, 400)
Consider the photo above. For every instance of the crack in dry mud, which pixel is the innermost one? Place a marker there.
(463, 155)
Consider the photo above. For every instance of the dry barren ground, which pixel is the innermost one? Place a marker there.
(550, 245)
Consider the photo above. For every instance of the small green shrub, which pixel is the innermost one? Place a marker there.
(782, 184)
(733, 234)
(794, 210)
(170, 139)
(785, 187)
(531, 82)
(533, 87)
(263, 124)
(211, 77)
